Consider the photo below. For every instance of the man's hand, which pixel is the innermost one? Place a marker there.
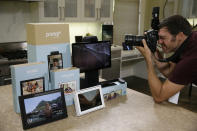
(145, 51)
(164, 67)
(158, 54)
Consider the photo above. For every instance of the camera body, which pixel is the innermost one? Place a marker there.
(151, 36)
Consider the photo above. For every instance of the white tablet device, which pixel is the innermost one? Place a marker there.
(88, 100)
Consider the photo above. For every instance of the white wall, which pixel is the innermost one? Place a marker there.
(125, 19)
(82, 28)
(13, 16)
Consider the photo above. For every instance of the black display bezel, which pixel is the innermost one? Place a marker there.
(23, 110)
(86, 43)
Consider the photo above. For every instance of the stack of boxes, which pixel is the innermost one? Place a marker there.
(42, 39)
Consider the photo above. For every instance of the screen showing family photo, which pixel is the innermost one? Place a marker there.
(69, 87)
(55, 61)
(89, 99)
(32, 86)
(41, 109)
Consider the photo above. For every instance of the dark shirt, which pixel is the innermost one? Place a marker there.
(185, 71)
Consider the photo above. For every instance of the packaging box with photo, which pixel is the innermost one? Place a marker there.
(27, 72)
(40, 53)
(44, 38)
(69, 87)
(120, 88)
(67, 78)
(112, 95)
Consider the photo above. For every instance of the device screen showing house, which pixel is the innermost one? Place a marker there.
(43, 108)
(91, 56)
(89, 99)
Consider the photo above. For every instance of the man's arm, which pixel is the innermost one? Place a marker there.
(164, 67)
(160, 91)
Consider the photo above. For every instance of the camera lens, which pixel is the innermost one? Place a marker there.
(134, 40)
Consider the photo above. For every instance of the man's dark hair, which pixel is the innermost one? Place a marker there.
(176, 24)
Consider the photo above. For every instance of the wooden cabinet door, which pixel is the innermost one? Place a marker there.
(106, 10)
(89, 12)
(50, 10)
(72, 10)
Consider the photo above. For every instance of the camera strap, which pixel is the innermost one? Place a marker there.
(176, 56)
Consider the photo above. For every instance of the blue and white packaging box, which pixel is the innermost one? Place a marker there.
(23, 72)
(38, 53)
(44, 38)
(110, 92)
(67, 78)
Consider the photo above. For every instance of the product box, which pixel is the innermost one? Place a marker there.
(45, 38)
(47, 33)
(28, 79)
(111, 92)
(40, 53)
(67, 78)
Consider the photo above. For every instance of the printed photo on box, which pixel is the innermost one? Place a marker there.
(55, 61)
(32, 86)
(69, 87)
(37, 109)
(112, 95)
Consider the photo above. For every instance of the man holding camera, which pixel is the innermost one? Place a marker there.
(174, 33)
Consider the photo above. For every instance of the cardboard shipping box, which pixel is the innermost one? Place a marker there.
(47, 33)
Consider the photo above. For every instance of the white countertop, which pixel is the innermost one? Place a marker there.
(134, 112)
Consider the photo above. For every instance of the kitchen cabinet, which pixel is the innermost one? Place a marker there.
(97, 10)
(89, 10)
(75, 11)
(193, 10)
(58, 10)
(71, 10)
(106, 10)
(188, 8)
(49, 10)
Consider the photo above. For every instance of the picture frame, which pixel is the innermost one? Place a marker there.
(69, 87)
(88, 100)
(32, 86)
(41, 108)
(55, 60)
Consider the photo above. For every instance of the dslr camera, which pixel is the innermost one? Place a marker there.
(151, 36)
